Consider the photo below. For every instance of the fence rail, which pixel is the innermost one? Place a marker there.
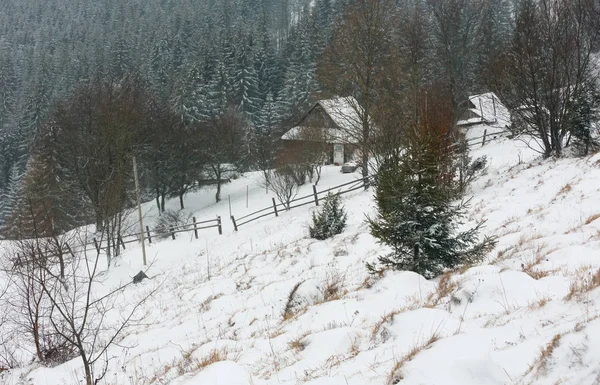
(313, 198)
(123, 240)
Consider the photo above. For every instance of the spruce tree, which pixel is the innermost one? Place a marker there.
(416, 216)
(330, 221)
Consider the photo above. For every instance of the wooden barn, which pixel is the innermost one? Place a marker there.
(325, 129)
(484, 109)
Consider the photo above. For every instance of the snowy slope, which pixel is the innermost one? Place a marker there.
(527, 315)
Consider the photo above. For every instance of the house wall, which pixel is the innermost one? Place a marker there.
(294, 151)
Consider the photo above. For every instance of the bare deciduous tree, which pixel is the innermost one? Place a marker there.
(82, 317)
(27, 261)
(90, 139)
(284, 185)
(355, 64)
(549, 68)
(221, 140)
(456, 41)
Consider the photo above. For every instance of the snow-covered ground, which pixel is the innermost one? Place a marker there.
(528, 315)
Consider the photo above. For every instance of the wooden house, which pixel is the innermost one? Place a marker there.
(326, 128)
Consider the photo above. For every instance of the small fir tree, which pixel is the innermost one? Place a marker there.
(331, 220)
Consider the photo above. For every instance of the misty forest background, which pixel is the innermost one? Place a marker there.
(195, 61)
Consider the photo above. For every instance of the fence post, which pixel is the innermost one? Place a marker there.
(484, 135)
(172, 232)
(219, 225)
(234, 224)
(275, 207)
(97, 245)
(316, 195)
(195, 228)
(148, 232)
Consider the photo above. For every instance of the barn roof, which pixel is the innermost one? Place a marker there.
(486, 108)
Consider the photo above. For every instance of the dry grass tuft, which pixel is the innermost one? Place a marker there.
(565, 189)
(332, 362)
(371, 279)
(591, 218)
(530, 269)
(539, 303)
(189, 364)
(215, 355)
(395, 375)
(584, 281)
(291, 303)
(580, 325)
(541, 363)
(205, 305)
(275, 332)
(298, 344)
(385, 319)
(445, 288)
(333, 287)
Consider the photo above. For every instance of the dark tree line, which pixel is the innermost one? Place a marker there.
(198, 60)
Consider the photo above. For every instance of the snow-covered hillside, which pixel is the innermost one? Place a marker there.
(528, 315)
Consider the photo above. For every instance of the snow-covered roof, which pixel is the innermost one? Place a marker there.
(487, 108)
(345, 112)
(329, 135)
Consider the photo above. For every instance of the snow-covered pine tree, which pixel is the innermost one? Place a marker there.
(264, 136)
(330, 221)
(9, 197)
(585, 117)
(8, 83)
(246, 81)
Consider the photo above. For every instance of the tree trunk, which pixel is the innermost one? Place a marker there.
(416, 256)
(108, 245)
(99, 224)
(86, 367)
(36, 338)
(162, 203)
(158, 201)
(181, 199)
(217, 171)
(61, 261)
(365, 166)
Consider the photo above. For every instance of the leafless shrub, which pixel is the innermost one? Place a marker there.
(171, 219)
(332, 288)
(283, 183)
(79, 316)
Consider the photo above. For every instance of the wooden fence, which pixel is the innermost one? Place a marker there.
(314, 198)
(149, 235)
